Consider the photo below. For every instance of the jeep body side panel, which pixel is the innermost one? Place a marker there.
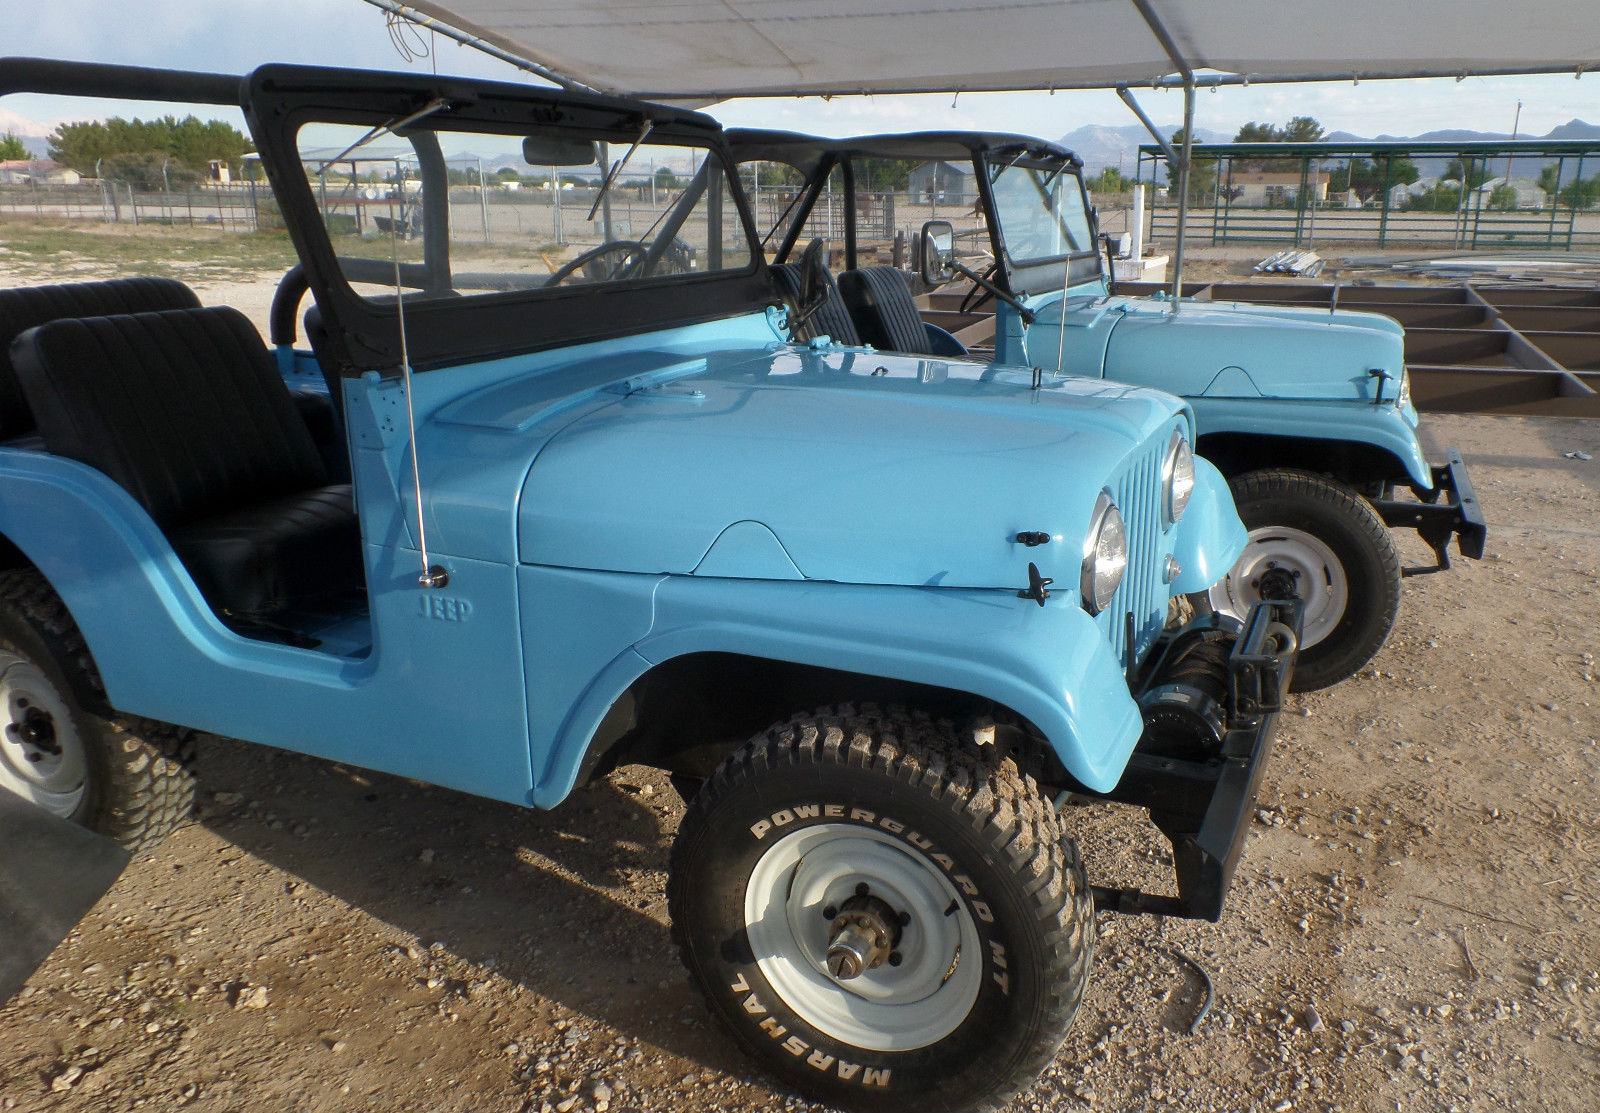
(438, 698)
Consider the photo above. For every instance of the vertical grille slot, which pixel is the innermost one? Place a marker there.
(1138, 495)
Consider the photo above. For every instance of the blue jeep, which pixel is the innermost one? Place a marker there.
(1308, 413)
(531, 507)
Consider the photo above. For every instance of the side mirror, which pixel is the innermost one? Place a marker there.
(938, 252)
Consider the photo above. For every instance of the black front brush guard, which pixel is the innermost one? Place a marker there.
(1203, 804)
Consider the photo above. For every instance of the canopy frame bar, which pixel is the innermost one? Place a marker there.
(1149, 125)
(477, 42)
(1159, 30)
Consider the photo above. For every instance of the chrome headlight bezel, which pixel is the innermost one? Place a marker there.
(1105, 555)
(1177, 478)
(1403, 398)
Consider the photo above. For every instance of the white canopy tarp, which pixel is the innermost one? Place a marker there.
(706, 50)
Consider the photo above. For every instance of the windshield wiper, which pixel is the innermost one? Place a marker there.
(389, 128)
(617, 167)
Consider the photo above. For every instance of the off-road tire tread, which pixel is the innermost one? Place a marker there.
(1310, 487)
(149, 785)
(998, 799)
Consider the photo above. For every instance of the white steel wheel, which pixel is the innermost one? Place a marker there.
(42, 756)
(816, 883)
(1319, 578)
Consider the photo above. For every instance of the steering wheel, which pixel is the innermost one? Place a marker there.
(979, 294)
(591, 262)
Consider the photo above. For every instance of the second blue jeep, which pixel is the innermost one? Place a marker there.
(1308, 413)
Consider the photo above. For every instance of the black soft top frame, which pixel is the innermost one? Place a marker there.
(277, 99)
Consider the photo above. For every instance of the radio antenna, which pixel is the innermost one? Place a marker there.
(433, 575)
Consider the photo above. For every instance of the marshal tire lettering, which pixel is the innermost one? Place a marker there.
(975, 820)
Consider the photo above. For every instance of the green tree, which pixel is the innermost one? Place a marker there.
(1301, 129)
(1581, 194)
(1109, 180)
(1479, 173)
(666, 179)
(1550, 178)
(149, 170)
(1503, 197)
(190, 142)
(1202, 173)
(891, 175)
(12, 147)
(1257, 133)
(1441, 198)
(1368, 178)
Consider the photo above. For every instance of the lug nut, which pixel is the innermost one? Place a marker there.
(829, 912)
(895, 959)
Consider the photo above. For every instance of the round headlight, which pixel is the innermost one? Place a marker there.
(1105, 557)
(1177, 477)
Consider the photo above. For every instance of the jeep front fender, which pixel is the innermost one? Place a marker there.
(1380, 426)
(1050, 664)
(1209, 537)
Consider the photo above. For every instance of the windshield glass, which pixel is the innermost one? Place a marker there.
(474, 213)
(1041, 209)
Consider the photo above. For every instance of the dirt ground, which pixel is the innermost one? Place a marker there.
(1416, 923)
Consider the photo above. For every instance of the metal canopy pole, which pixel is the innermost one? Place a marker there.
(1159, 30)
(1149, 124)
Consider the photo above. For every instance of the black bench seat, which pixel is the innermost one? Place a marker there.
(185, 409)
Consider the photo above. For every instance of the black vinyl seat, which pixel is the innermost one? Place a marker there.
(187, 412)
(886, 315)
(831, 319)
(25, 307)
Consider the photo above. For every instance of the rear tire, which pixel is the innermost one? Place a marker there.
(1347, 570)
(62, 747)
(954, 856)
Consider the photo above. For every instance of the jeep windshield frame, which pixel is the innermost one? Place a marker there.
(1019, 178)
(988, 153)
(443, 329)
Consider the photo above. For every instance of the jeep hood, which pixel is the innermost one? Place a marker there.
(838, 465)
(1235, 350)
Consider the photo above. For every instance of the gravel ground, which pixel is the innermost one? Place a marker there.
(1414, 926)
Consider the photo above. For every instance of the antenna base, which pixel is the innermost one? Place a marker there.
(436, 575)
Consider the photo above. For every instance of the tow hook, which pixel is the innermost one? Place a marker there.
(865, 932)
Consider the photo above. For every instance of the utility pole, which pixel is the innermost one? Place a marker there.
(1514, 125)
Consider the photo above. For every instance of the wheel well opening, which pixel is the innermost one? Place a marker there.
(1354, 462)
(687, 714)
(12, 557)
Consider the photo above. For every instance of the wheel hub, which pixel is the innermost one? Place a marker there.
(41, 756)
(35, 733)
(863, 935)
(1281, 562)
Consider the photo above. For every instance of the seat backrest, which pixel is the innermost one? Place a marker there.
(832, 319)
(184, 408)
(886, 315)
(26, 306)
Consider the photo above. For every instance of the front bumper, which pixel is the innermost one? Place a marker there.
(1202, 800)
(1449, 510)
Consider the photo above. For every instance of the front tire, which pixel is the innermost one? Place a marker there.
(126, 778)
(1342, 560)
(945, 870)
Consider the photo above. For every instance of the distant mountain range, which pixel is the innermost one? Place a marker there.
(1100, 146)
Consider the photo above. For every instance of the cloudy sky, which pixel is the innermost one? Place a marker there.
(235, 35)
